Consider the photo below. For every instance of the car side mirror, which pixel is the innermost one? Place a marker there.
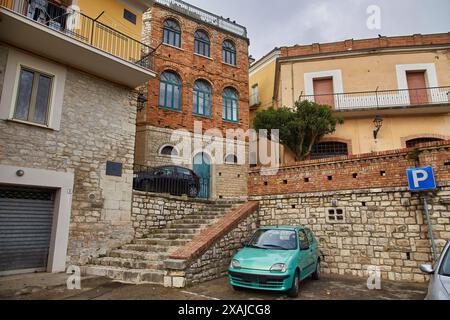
(427, 268)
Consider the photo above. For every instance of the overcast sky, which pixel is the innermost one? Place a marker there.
(279, 23)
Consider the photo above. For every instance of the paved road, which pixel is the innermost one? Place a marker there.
(51, 287)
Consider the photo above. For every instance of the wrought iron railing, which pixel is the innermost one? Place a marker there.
(205, 16)
(71, 22)
(147, 179)
(383, 99)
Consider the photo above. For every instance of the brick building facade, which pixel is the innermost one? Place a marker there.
(180, 58)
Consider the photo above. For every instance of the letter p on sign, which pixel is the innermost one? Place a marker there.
(421, 179)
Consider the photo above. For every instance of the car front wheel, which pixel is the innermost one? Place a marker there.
(316, 274)
(293, 292)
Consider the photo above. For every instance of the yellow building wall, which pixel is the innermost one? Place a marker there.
(362, 73)
(113, 16)
(265, 79)
(366, 73)
(393, 135)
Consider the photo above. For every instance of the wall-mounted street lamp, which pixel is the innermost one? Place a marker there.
(378, 122)
(141, 101)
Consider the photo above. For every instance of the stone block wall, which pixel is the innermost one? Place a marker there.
(97, 125)
(383, 227)
(154, 211)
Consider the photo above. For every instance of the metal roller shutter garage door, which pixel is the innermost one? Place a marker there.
(26, 217)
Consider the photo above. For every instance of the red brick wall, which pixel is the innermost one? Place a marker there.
(291, 178)
(191, 67)
(377, 43)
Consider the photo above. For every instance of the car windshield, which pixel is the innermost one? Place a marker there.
(274, 240)
(445, 266)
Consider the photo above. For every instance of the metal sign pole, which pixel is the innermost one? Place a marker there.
(430, 227)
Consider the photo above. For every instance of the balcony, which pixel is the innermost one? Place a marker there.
(204, 16)
(420, 101)
(66, 35)
(254, 101)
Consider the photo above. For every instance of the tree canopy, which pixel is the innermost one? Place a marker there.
(301, 127)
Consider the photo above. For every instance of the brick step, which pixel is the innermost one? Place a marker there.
(148, 248)
(139, 255)
(134, 276)
(180, 225)
(201, 217)
(195, 221)
(172, 236)
(162, 242)
(192, 232)
(128, 263)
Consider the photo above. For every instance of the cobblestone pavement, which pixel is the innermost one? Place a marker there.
(53, 287)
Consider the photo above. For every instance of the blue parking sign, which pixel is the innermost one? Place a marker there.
(421, 179)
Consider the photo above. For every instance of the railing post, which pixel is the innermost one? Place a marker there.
(376, 95)
(93, 27)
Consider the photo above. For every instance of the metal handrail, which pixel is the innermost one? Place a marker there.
(87, 30)
(383, 98)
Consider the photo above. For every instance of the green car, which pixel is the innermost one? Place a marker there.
(276, 259)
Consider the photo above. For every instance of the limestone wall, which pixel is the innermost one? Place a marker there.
(155, 211)
(379, 227)
(97, 125)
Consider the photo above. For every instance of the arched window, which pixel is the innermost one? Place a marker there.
(170, 91)
(229, 52)
(202, 43)
(230, 105)
(414, 142)
(169, 151)
(202, 98)
(172, 33)
(324, 150)
(231, 159)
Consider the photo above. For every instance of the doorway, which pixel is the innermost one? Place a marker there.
(202, 167)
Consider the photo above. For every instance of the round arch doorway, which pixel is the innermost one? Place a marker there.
(202, 167)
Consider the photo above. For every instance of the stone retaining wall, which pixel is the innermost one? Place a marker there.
(154, 211)
(378, 227)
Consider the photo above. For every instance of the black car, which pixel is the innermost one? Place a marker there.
(168, 179)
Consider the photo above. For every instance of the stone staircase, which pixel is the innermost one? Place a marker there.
(142, 261)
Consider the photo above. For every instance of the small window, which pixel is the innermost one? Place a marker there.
(229, 52)
(128, 15)
(303, 240)
(172, 33)
(169, 151)
(310, 236)
(33, 96)
(254, 97)
(231, 159)
(336, 215)
(325, 150)
(230, 105)
(202, 43)
(415, 142)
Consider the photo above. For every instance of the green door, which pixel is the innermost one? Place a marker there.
(202, 167)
